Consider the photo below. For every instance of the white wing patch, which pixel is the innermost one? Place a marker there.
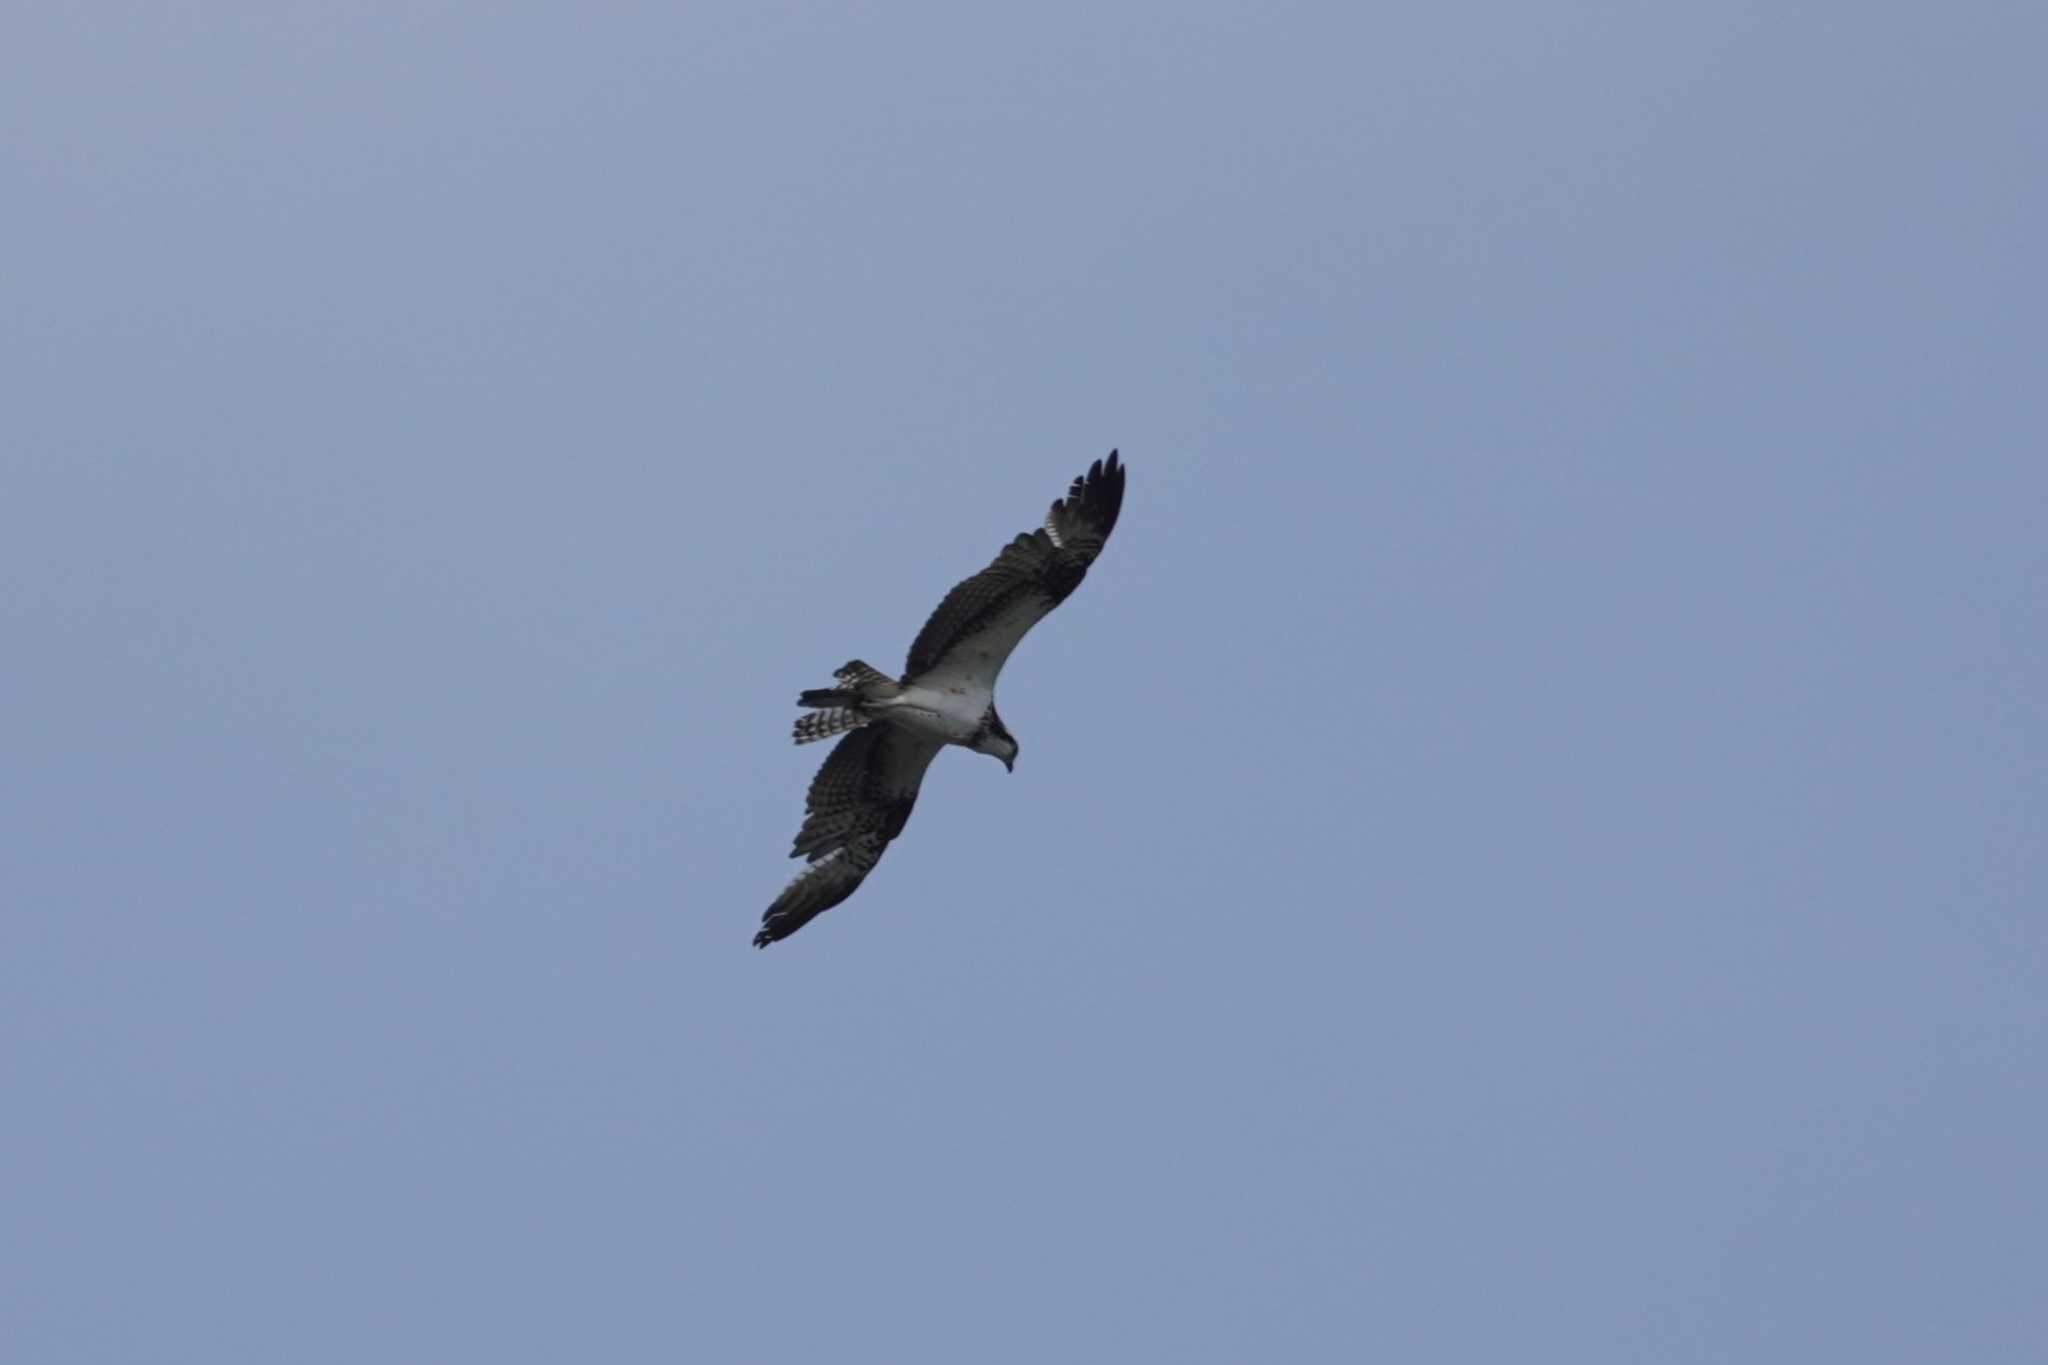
(825, 866)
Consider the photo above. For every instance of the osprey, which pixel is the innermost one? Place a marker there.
(862, 797)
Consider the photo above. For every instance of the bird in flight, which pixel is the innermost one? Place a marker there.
(894, 727)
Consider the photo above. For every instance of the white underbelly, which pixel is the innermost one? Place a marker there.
(940, 713)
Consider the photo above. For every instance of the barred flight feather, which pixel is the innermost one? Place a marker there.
(825, 724)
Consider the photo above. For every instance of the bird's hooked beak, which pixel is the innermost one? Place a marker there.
(1009, 765)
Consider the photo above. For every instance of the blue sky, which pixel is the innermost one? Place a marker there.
(1529, 844)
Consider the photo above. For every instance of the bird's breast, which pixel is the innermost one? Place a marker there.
(952, 714)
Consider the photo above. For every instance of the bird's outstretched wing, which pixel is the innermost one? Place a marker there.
(968, 639)
(859, 801)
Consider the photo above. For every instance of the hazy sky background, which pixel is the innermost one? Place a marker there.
(1532, 844)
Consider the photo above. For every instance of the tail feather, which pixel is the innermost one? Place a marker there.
(827, 697)
(824, 724)
(838, 709)
(858, 682)
(866, 679)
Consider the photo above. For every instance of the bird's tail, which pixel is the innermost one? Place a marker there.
(817, 725)
(858, 682)
(836, 709)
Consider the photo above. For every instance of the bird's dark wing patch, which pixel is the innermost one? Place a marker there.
(859, 801)
(981, 620)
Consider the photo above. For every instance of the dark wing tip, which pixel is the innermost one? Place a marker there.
(781, 921)
(1101, 494)
(1101, 472)
(1093, 501)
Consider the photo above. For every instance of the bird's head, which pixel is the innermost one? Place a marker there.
(993, 739)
